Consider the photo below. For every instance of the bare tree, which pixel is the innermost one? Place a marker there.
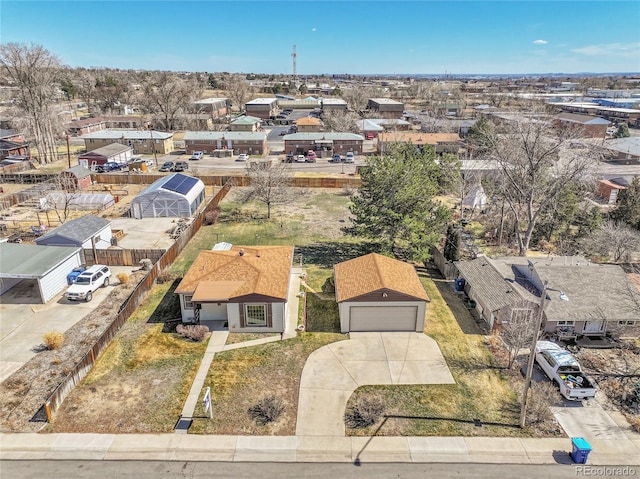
(341, 121)
(86, 84)
(111, 90)
(238, 90)
(517, 328)
(613, 239)
(166, 97)
(536, 164)
(35, 71)
(270, 184)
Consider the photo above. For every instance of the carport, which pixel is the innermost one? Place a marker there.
(377, 293)
(48, 266)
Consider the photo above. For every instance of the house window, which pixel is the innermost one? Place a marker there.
(566, 323)
(626, 323)
(188, 303)
(255, 314)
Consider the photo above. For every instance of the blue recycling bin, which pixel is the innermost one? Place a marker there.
(580, 450)
(459, 284)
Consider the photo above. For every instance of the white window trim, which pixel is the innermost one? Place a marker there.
(188, 303)
(566, 323)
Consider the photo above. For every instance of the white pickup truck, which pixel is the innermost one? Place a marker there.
(562, 368)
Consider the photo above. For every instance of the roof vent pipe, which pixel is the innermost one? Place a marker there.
(241, 252)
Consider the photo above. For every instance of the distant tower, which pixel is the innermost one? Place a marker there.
(294, 57)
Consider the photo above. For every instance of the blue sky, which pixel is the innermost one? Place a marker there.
(356, 37)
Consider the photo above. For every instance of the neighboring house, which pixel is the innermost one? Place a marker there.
(175, 195)
(263, 108)
(308, 125)
(586, 125)
(142, 141)
(114, 152)
(11, 135)
(86, 126)
(369, 128)
(377, 293)
(627, 115)
(309, 103)
(75, 178)
(86, 232)
(47, 266)
(442, 142)
(245, 123)
(324, 144)
(583, 298)
(386, 108)
(126, 122)
(251, 143)
(214, 107)
(624, 151)
(13, 149)
(245, 287)
(333, 105)
(609, 190)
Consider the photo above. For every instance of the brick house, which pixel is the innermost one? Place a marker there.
(264, 108)
(324, 144)
(249, 142)
(588, 126)
(214, 107)
(385, 108)
(246, 123)
(142, 141)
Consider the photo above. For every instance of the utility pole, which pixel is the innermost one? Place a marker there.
(532, 354)
(68, 152)
(153, 145)
(294, 57)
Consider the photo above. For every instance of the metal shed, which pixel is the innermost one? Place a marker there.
(48, 266)
(174, 195)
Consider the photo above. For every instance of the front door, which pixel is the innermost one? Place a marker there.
(594, 327)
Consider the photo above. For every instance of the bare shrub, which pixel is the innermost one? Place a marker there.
(542, 396)
(364, 413)
(349, 190)
(123, 278)
(192, 331)
(266, 410)
(634, 422)
(211, 217)
(53, 340)
(165, 277)
(56, 361)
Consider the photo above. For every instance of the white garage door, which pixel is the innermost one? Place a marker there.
(383, 318)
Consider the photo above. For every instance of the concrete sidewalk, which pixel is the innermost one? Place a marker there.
(189, 447)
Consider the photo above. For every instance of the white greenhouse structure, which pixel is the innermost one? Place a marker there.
(77, 201)
(172, 196)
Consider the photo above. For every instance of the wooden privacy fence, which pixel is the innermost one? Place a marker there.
(215, 180)
(137, 296)
(120, 257)
(447, 268)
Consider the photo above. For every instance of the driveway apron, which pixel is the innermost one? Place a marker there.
(333, 372)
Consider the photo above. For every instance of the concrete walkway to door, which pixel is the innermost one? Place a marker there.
(333, 372)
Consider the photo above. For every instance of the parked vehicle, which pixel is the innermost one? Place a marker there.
(301, 159)
(283, 132)
(350, 158)
(369, 136)
(109, 166)
(71, 277)
(242, 157)
(167, 166)
(197, 155)
(290, 157)
(311, 156)
(88, 282)
(336, 158)
(563, 369)
(181, 166)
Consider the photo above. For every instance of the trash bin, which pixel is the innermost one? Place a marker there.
(459, 282)
(580, 450)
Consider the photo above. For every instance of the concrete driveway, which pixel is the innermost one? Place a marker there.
(23, 323)
(333, 372)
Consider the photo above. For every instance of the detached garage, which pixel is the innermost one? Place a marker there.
(377, 293)
(171, 196)
(46, 266)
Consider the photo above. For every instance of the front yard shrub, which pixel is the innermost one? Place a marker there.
(192, 331)
(266, 410)
(329, 286)
(53, 340)
(211, 217)
(365, 412)
(123, 278)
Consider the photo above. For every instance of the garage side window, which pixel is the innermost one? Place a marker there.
(255, 314)
(188, 303)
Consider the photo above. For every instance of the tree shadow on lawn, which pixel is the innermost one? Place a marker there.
(168, 309)
(332, 252)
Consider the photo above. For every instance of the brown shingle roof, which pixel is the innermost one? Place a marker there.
(262, 270)
(308, 121)
(373, 272)
(418, 138)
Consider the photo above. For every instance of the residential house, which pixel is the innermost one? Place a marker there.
(214, 107)
(625, 151)
(583, 298)
(308, 125)
(608, 191)
(86, 126)
(385, 108)
(331, 104)
(246, 123)
(264, 108)
(251, 143)
(86, 232)
(14, 149)
(378, 293)
(246, 288)
(113, 152)
(147, 142)
(586, 125)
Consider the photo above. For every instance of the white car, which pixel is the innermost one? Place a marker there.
(242, 157)
(87, 282)
(301, 159)
(349, 158)
(197, 155)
